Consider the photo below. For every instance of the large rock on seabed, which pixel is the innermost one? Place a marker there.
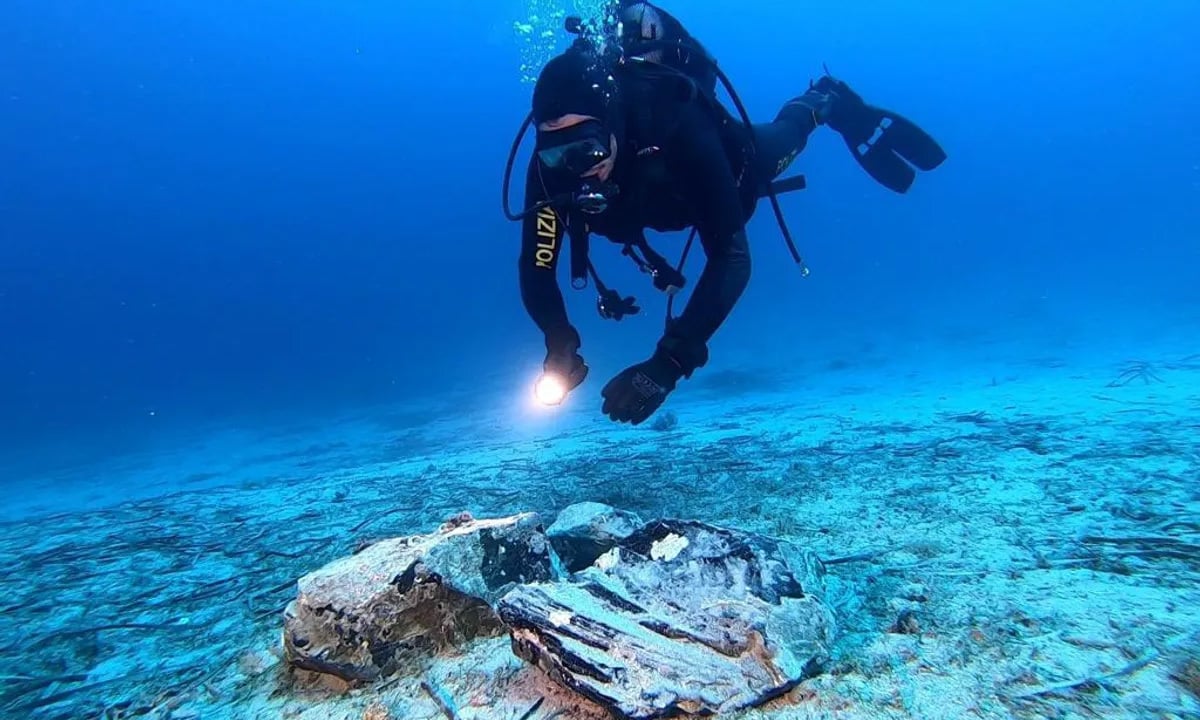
(680, 618)
(584, 531)
(361, 617)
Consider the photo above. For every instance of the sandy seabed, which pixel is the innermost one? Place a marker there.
(1037, 536)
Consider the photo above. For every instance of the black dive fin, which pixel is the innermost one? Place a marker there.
(892, 141)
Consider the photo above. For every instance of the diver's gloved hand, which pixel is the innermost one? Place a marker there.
(563, 370)
(637, 391)
(566, 364)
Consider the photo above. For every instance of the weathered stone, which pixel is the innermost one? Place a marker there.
(584, 531)
(363, 616)
(685, 619)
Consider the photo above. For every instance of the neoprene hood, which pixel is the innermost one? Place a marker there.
(572, 82)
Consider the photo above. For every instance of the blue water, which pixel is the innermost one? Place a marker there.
(254, 275)
(229, 215)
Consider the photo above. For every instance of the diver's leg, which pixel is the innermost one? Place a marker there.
(778, 142)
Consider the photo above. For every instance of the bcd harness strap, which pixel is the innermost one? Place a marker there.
(665, 277)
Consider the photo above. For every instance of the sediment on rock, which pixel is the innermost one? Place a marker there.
(365, 616)
(681, 618)
(584, 531)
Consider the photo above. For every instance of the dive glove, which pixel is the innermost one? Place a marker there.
(568, 366)
(563, 370)
(637, 391)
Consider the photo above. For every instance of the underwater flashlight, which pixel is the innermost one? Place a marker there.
(550, 390)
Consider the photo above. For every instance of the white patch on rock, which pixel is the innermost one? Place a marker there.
(668, 548)
(609, 560)
(560, 618)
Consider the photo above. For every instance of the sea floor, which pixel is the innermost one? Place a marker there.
(1038, 529)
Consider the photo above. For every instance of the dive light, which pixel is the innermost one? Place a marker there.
(550, 389)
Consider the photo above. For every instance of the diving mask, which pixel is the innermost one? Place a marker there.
(574, 150)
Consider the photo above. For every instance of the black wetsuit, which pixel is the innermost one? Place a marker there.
(682, 163)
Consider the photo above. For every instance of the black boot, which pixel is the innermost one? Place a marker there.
(808, 110)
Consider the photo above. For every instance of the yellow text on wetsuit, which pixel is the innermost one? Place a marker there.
(547, 232)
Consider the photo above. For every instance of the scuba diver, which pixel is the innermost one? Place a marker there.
(630, 135)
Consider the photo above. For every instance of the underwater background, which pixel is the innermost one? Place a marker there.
(220, 214)
(254, 245)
